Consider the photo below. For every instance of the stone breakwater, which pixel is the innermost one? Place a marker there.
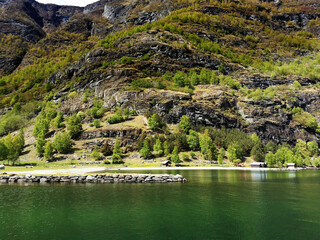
(115, 178)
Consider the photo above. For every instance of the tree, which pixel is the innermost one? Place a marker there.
(57, 122)
(255, 138)
(157, 148)
(185, 124)
(97, 123)
(145, 151)
(116, 156)
(116, 118)
(126, 113)
(74, 126)
(3, 150)
(271, 146)
(12, 146)
(313, 148)
(155, 122)
(48, 151)
(257, 152)
(62, 142)
(41, 126)
(270, 160)
(208, 148)
(95, 153)
(221, 156)
(40, 145)
(166, 148)
(175, 155)
(234, 152)
(193, 140)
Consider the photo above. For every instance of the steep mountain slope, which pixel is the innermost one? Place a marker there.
(251, 65)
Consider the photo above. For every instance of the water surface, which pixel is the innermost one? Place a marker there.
(214, 204)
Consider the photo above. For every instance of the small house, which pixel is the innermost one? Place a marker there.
(258, 165)
(291, 165)
(166, 163)
(2, 167)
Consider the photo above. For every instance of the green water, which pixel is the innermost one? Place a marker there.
(212, 205)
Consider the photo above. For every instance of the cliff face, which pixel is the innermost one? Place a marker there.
(106, 46)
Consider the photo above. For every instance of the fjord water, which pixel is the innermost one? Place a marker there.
(212, 205)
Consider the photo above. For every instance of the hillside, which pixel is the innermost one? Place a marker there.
(236, 68)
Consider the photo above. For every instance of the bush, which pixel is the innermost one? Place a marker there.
(95, 153)
(185, 124)
(74, 126)
(116, 155)
(97, 123)
(48, 151)
(155, 123)
(116, 118)
(145, 152)
(175, 155)
(62, 142)
(193, 140)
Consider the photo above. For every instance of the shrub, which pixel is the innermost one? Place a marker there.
(175, 155)
(155, 123)
(185, 124)
(62, 142)
(193, 140)
(116, 118)
(74, 126)
(48, 151)
(145, 152)
(97, 123)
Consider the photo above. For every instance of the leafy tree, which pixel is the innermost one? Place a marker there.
(157, 148)
(126, 113)
(175, 155)
(20, 140)
(62, 142)
(255, 138)
(41, 126)
(74, 126)
(97, 123)
(3, 150)
(270, 159)
(313, 148)
(193, 140)
(185, 124)
(155, 122)
(166, 148)
(116, 156)
(95, 153)
(208, 148)
(48, 151)
(257, 152)
(57, 122)
(221, 156)
(12, 145)
(234, 152)
(271, 146)
(40, 145)
(116, 118)
(145, 152)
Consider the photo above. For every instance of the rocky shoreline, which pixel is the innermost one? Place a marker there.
(114, 178)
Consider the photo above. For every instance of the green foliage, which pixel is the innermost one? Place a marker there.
(258, 152)
(3, 150)
(166, 148)
(193, 140)
(270, 160)
(156, 123)
(175, 155)
(221, 156)
(116, 155)
(126, 113)
(126, 60)
(48, 151)
(62, 142)
(185, 124)
(72, 95)
(157, 148)
(74, 126)
(13, 148)
(145, 152)
(305, 118)
(116, 118)
(208, 148)
(97, 111)
(234, 152)
(97, 123)
(57, 122)
(41, 126)
(95, 153)
(41, 141)
(313, 148)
